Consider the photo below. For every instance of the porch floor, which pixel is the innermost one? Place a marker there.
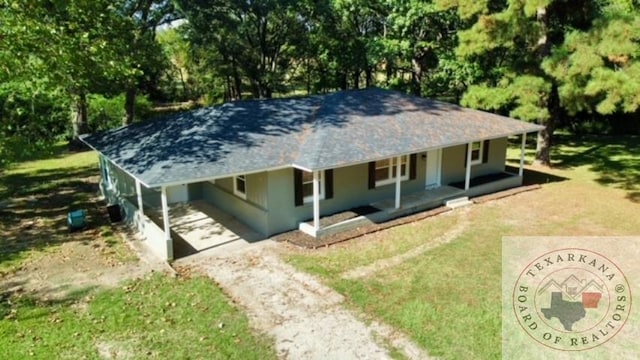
(423, 198)
(198, 226)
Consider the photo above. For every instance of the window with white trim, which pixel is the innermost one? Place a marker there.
(386, 170)
(477, 149)
(240, 186)
(307, 186)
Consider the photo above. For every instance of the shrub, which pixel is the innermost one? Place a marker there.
(106, 113)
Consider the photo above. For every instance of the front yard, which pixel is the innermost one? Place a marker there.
(438, 280)
(86, 294)
(447, 297)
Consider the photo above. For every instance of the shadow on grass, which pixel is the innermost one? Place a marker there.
(615, 160)
(35, 204)
(532, 177)
(15, 304)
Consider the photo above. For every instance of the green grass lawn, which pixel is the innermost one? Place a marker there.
(448, 299)
(159, 317)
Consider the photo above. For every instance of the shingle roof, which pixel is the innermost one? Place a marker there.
(316, 132)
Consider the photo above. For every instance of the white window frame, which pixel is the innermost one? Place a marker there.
(309, 198)
(391, 167)
(239, 193)
(480, 153)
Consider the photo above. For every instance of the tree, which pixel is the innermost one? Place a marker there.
(75, 45)
(513, 40)
(145, 54)
(256, 41)
(599, 69)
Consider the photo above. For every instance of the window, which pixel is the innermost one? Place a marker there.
(303, 186)
(477, 149)
(385, 170)
(240, 186)
(307, 186)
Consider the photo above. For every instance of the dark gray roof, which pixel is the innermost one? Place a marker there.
(316, 132)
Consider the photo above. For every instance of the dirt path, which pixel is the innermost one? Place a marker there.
(306, 318)
(365, 271)
(77, 266)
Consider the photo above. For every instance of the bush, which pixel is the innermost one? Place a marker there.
(30, 121)
(106, 113)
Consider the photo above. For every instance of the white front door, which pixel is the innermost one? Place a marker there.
(434, 162)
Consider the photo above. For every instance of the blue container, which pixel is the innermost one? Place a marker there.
(77, 219)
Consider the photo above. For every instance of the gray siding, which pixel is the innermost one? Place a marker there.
(453, 162)
(350, 189)
(252, 211)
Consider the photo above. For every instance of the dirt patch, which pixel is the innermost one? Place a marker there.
(80, 266)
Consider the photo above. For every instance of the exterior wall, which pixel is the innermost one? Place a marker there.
(453, 162)
(118, 183)
(269, 207)
(350, 189)
(252, 211)
(117, 187)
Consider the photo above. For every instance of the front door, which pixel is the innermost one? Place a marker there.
(434, 161)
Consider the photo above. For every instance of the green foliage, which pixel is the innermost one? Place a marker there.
(106, 113)
(30, 121)
(598, 69)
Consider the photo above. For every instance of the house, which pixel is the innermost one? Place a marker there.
(282, 164)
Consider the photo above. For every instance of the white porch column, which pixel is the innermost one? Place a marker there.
(398, 180)
(139, 193)
(316, 200)
(165, 213)
(524, 141)
(467, 176)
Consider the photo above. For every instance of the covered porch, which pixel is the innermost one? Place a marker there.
(434, 194)
(198, 226)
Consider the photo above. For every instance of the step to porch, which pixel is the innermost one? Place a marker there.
(458, 202)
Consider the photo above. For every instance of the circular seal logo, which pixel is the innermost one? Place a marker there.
(571, 299)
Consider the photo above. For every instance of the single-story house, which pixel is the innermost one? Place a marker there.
(282, 164)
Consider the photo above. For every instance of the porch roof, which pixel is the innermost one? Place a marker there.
(315, 133)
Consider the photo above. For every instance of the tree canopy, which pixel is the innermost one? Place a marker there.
(546, 61)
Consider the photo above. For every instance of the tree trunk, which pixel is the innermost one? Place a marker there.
(79, 121)
(129, 106)
(416, 76)
(356, 79)
(545, 136)
(79, 116)
(342, 79)
(368, 76)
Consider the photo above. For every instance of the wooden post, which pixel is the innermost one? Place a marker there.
(139, 193)
(467, 176)
(524, 141)
(316, 200)
(398, 180)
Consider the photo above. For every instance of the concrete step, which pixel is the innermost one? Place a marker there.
(458, 202)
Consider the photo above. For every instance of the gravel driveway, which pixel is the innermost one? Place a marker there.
(305, 318)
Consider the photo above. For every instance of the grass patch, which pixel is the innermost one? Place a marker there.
(448, 299)
(35, 197)
(159, 317)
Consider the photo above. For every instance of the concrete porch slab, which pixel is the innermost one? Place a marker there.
(202, 227)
